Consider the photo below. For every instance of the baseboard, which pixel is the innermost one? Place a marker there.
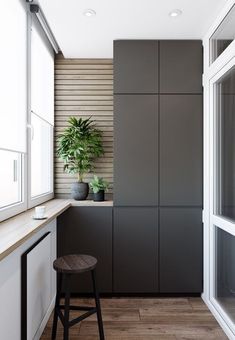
(136, 295)
(44, 321)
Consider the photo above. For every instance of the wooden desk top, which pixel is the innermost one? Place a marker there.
(16, 230)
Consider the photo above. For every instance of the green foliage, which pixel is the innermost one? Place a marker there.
(98, 183)
(79, 145)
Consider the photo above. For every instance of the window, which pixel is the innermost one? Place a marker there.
(223, 36)
(225, 144)
(42, 75)
(13, 108)
(42, 116)
(40, 157)
(224, 271)
(27, 99)
(219, 167)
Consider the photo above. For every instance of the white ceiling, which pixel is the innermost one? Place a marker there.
(92, 37)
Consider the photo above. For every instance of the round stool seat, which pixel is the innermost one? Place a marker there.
(74, 264)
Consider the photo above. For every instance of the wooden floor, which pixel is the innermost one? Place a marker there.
(146, 319)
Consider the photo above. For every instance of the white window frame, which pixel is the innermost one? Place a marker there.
(21, 206)
(34, 201)
(213, 72)
(221, 222)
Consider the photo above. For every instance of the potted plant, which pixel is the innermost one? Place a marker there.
(79, 145)
(98, 186)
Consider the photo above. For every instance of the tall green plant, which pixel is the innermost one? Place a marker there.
(79, 145)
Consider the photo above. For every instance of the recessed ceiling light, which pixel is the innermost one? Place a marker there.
(175, 13)
(89, 13)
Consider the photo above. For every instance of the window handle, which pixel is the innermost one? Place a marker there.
(15, 170)
(31, 128)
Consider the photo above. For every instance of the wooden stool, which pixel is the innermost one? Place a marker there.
(65, 267)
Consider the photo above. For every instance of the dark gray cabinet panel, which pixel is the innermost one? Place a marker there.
(136, 150)
(135, 250)
(88, 230)
(180, 66)
(181, 150)
(135, 66)
(181, 250)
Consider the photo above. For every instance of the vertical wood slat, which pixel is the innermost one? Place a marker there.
(84, 88)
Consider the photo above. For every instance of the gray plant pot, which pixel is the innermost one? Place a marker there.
(99, 196)
(79, 191)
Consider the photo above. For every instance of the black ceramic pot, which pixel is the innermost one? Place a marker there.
(99, 196)
(79, 191)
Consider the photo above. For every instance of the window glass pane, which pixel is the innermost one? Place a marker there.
(225, 144)
(223, 36)
(42, 75)
(13, 108)
(225, 271)
(41, 156)
(10, 178)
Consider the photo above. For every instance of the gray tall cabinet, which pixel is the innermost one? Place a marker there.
(157, 225)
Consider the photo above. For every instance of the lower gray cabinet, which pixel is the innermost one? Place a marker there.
(181, 250)
(135, 254)
(88, 230)
(135, 250)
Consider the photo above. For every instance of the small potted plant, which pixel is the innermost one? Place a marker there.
(98, 186)
(79, 145)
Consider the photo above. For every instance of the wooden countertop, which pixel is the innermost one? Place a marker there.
(18, 229)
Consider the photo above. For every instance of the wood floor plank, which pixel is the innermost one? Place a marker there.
(166, 309)
(180, 319)
(124, 329)
(129, 337)
(139, 302)
(219, 336)
(146, 328)
(197, 304)
(118, 314)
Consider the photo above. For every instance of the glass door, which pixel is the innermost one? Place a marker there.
(224, 290)
(222, 209)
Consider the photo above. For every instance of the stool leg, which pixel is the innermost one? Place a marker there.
(97, 302)
(66, 308)
(57, 303)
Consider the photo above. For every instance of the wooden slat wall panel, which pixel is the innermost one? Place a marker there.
(84, 88)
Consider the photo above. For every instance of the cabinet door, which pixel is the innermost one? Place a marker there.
(135, 250)
(180, 250)
(36, 285)
(180, 66)
(88, 230)
(181, 150)
(135, 66)
(136, 150)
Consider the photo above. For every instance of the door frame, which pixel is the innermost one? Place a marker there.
(212, 72)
